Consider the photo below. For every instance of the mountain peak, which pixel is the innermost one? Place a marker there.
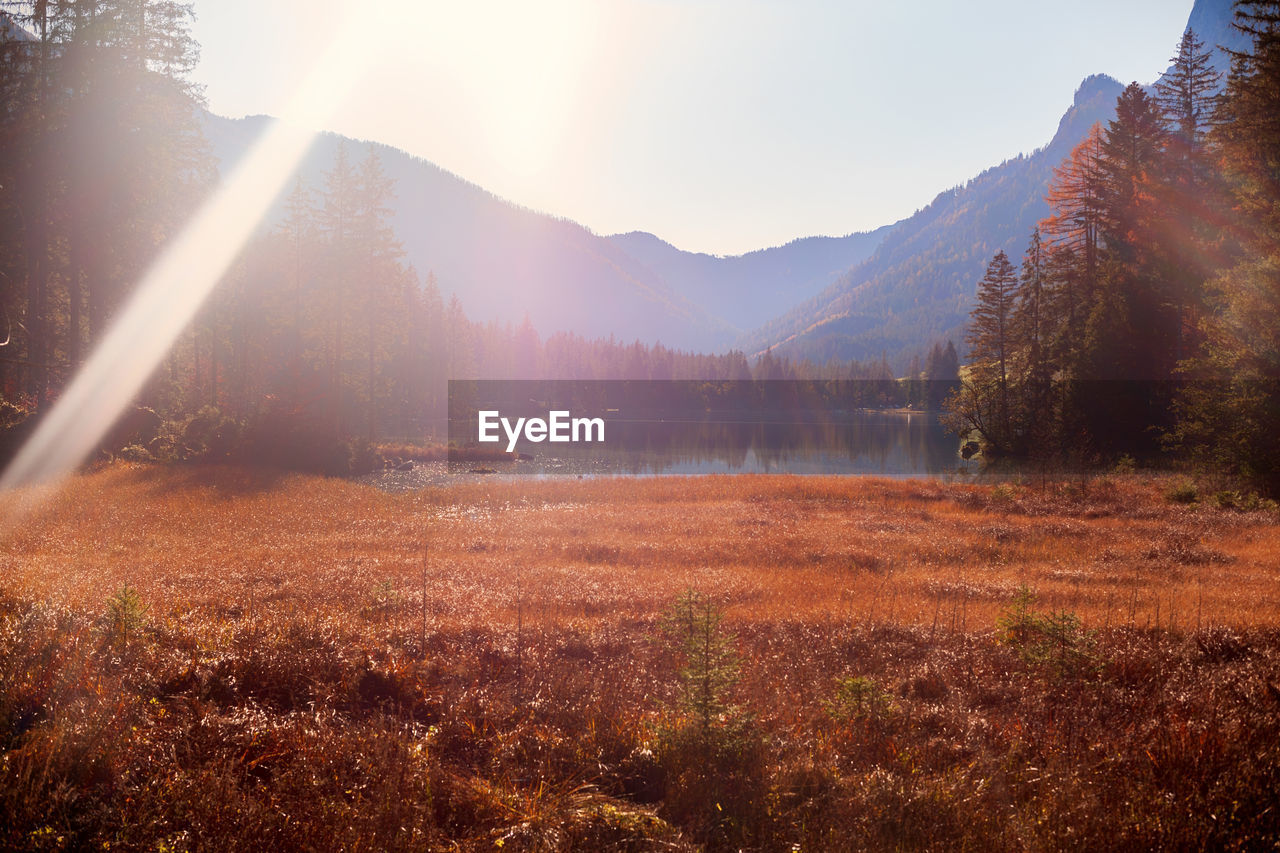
(1095, 86)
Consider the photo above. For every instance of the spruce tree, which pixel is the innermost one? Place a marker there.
(986, 407)
(379, 255)
(336, 219)
(1188, 96)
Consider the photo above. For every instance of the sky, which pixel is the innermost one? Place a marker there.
(721, 127)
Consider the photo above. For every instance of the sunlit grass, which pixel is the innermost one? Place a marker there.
(918, 553)
(312, 658)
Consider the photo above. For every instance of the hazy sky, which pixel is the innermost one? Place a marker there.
(719, 126)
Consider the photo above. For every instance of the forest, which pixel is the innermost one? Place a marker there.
(320, 338)
(1142, 321)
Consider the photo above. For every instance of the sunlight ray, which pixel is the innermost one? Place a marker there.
(180, 280)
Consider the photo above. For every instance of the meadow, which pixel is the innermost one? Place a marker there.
(213, 658)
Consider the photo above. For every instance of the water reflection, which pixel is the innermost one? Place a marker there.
(891, 444)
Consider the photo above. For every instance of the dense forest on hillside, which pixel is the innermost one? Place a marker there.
(1144, 315)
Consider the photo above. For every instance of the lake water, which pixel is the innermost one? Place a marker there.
(858, 443)
(891, 444)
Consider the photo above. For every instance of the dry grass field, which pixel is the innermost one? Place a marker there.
(212, 659)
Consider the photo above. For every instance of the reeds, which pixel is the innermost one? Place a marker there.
(296, 673)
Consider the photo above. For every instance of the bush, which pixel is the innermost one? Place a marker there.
(857, 697)
(211, 435)
(1182, 493)
(1053, 641)
(1242, 501)
(126, 613)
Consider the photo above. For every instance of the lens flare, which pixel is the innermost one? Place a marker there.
(180, 280)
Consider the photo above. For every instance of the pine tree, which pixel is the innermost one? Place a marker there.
(1188, 96)
(103, 162)
(1131, 146)
(297, 232)
(990, 335)
(1030, 323)
(337, 226)
(380, 254)
(983, 402)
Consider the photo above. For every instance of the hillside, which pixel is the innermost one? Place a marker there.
(918, 286)
(503, 261)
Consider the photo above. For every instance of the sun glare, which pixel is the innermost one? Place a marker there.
(520, 69)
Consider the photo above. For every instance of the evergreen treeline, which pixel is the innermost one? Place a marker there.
(320, 334)
(1146, 311)
(103, 160)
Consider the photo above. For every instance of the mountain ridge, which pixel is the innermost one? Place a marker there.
(505, 261)
(867, 312)
(891, 291)
(919, 284)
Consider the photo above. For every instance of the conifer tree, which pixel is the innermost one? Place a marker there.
(380, 254)
(983, 401)
(1188, 96)
(1030, 331)
(337, 223)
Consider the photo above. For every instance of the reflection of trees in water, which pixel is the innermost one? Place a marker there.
(693, 426)
(891, 443)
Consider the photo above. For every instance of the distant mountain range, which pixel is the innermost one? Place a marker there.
(751, 289)
(504, 261)
(892, 291)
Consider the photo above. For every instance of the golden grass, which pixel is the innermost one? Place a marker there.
(481, 667)
(602, 551)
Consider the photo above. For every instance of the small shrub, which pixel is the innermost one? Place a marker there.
(1242, 501)
(857, 697)
(1004, 493)
(136, 453)
(384, 601)
(294, 442)
(1125, 465)
(126, 613)
(1182, 493)
(1054, 641)
(211, 435)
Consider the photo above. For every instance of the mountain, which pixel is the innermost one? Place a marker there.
(748, 290)
(919, 284)
(890, 291)
(504, 261)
